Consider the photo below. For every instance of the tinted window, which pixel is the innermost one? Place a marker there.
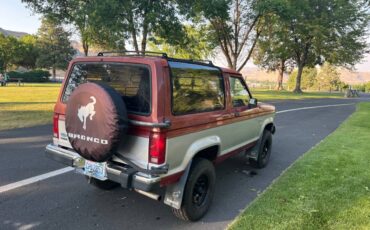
(239, 93)
(130, 80)
(196, 88)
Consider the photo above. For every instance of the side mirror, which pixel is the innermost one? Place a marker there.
(253, 102)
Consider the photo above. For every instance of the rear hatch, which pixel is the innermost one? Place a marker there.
(131, 81)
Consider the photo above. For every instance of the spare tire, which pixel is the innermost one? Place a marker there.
(96, 121)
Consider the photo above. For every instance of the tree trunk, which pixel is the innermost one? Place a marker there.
(298, 80)
(145, 27)
(85, 47)
(234, 62)
(145, 34)
(131, 26)
(281, 70)
(133, 32)
(54, 73)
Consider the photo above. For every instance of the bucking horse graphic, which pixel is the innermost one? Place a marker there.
(87, 111)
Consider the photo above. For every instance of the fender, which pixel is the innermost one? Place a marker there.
(174, 192)
(266, 121)
(198, 146)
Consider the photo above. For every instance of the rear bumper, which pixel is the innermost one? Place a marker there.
(127, 176)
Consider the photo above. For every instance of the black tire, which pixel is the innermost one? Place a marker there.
(198, 192)
(103, 185)
(264, 151)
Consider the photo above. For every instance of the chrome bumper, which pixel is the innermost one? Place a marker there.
(128, 177)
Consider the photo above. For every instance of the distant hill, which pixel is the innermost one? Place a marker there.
(354, 78)
(347, 76)
(256, 74)
(12, 33)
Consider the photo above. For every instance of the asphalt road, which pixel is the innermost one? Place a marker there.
(68, 202)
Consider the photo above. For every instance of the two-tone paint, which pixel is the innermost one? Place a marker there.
(226, 132)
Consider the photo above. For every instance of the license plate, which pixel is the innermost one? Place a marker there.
(95, 169)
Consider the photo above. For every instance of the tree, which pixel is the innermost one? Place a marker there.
(198, 44)
(328, 78)
(321, 31)
(27, 52)
(270, 53)
(237, 24)
(74, 12)
(54, 45)
(367, 87)
(108, 22)
(138, 21)
(8, 49)
(309, 78)
(234, 23)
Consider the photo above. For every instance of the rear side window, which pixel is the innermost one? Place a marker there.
(196, 88)
(131, 81)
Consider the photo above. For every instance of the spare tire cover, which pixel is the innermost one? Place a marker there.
(96, 120)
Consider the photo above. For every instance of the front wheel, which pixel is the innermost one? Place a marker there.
(264, 151)
(199, 190)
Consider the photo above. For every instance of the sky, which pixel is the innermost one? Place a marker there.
(15, 16)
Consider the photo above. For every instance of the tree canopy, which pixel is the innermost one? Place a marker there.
(27, 52)
(8, 51)
(54, 46)
(234, 24)
(320, 31)
(276, 32)
(114, 23)
(198, 44)
(74, 12)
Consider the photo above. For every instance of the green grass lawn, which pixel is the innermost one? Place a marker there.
(327, 188)
(271, 95)
(28, 105)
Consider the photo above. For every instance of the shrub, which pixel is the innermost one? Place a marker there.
(367, 87)
(31, 76)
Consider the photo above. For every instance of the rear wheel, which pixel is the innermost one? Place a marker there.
(103, 185)
(199, 190)
(264, 151)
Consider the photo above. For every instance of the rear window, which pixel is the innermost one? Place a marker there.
(196, 88)
(132, 81)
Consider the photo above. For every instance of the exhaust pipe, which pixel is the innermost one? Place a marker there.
(149, 194)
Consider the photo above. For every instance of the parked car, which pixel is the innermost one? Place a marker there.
(146, 122)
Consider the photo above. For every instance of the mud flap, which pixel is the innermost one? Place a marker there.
(175, 192)
(253, 153)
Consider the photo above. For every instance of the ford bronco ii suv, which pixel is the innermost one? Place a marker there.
(157, 125)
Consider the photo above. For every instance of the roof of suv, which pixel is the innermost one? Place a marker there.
(139, 58)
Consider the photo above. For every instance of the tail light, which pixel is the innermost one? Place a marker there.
(56, 125)
(157, 148)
